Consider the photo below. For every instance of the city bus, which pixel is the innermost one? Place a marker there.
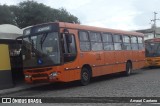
(152, 47)
(64, 52)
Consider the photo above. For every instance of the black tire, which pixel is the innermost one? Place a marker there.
(128, 69)
(85, 76)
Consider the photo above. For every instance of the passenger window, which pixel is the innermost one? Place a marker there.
(134, 39)
(83, 36)
(96, 46)
(107, 41)
(140, 40)
(117, 38)
(140, 43)
(95, 37)
(134, 43)
(84, 41)
(126, 42)
(117, 42)
(96, 42)
(85, 46)
(107, 37)
(126, 39)
(118, 46)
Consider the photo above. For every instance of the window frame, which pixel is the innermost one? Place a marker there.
(121, 43)
(84, 41)
(134, 42)
(105, 42)
(141, 43)
(95, 41)
(126, 42)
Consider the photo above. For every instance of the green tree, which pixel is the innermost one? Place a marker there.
(30, 13)
(6, 16)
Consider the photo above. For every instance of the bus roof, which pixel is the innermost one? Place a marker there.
(93, 28)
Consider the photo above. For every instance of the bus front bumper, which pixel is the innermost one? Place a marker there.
(153, 62)
(41, 78)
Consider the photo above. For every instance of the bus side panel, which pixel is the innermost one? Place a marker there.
(120, 61)
(141, 58)
(109, 61)
(127, 56)
(95, 60)
(135, 56)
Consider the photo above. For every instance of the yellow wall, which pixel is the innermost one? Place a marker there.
(4, 58)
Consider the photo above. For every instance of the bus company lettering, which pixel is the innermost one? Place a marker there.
(143, 101)
(43, 29)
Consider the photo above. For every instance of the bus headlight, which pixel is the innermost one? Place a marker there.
(53, 75)
(28, 76)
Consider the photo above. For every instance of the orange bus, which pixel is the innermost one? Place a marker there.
(152, 47)
(63, 52)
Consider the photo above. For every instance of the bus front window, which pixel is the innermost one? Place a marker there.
(152, 49)
(41, 50)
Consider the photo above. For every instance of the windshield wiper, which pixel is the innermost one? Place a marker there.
(43, 39)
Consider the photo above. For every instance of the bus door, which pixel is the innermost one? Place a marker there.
(71, 64)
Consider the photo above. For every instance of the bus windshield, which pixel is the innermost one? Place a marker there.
(41, 50)
(152, 49)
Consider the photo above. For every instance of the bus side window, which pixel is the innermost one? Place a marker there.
(134, 43)
(69, 47)
(84, 41)
(117, 42)
(140, 43)
(126, 42)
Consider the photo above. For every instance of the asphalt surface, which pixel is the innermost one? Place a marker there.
(142, 83)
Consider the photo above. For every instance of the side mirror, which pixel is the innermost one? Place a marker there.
(68, 38)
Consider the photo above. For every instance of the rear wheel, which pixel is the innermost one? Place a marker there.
(128, 69)
(85, 76)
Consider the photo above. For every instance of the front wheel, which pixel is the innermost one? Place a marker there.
(85, 76)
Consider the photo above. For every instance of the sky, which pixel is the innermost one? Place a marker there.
(116, 14)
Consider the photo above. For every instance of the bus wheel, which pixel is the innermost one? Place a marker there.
(85, 76)
(128, 69)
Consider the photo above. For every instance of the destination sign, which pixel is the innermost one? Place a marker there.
(43, 29)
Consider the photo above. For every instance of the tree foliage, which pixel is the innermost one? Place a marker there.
(6, 16)
(29, 13)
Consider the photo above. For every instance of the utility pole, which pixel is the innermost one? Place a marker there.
(154, 24)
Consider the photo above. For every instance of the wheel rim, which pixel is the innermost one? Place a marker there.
(129, 70)
(85, 76)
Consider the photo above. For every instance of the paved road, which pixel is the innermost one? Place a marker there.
(142, 83)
